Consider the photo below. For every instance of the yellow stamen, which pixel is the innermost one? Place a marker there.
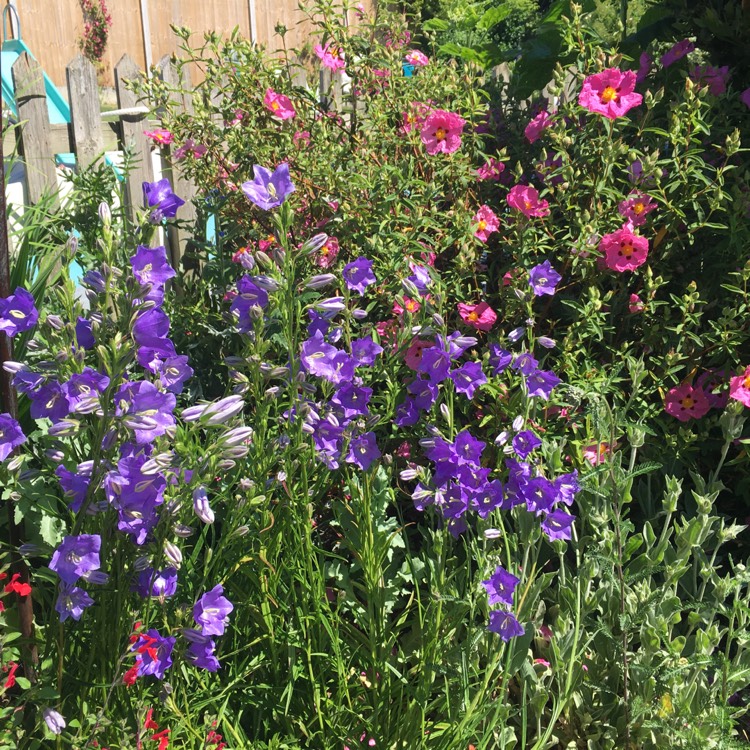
(609, 94)
(440, 134)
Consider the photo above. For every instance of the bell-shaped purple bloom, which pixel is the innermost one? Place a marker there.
(11, 435)
(150, 326)
(85, 334)
(558, 525)
(153, 356)
(174, 372)
(363, 450)
(407, 414)
(145, 409)
(26, 381)
(543, 279)
(525, 364)
(500, 586)
(468, 378)
(212, 610)
(540, 495)
(159, 197)
(75, 556)
(158, 584)
(499, 358)
(420, 277)
(488, 497)
(150, 266)
(365, 351)
(567, 487)
(358, 275)
(54, 720)
(424, 393)
(525, 442)
(435, 364)
(541, 383)
(200, 653)
(71, 602)
(17, 312)
(84, 388)
(505, 624)
(49, 402)
(269, 189)
(352, 399)
(154, 653)
(75, 486)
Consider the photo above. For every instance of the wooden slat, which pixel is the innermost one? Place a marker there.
(33, 133)
(85, 112)
(132, 135)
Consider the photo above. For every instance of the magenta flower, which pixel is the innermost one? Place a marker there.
(159, 136)
(415, 116)
(635, 304)
(636, 207)
(415, 57)
(500, 586)
(279, 105)
(331, 56)
(610, 93)
(327, 253)
(623, 250)
(75, 556)
(644, 67)
(17, 312)
(535, 128)
(491, 170)
(713, 78)
(441, 132)
(486, 223)
(11, 435)
(480, 316)
(212, 611)
(745, 97)
(525, 199)
(685, 402)
(676, 52)
(543, 279)
(739, 387)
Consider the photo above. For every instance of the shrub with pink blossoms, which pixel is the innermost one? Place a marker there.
(525, 199)
(623, 250)
(610, 93)
(486, 223)
(441, 132)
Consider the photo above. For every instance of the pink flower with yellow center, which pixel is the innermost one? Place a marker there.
(597, 453)
(415, 116)
(685, 402)
(540, 123)
(279, 105)
(415, 57)
(441, 132)
(610, 93)
(739, 387)
(160, 136)
(331, 56)
(327, 254)
(486, 223)
(480, 316)
(623, 250)
(491, 170)
(525, 199)
(636, 207)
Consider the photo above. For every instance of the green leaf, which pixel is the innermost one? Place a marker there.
(51, 530)
(436, 24)
(493, 16)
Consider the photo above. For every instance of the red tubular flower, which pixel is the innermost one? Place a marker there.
(22, 589)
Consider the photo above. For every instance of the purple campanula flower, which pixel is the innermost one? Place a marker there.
(318, 324)
(517, 334)
(435, 364)
(146, 409)
(201, 505)
(407, 414)
(11, 435)
(17, 312)
(54, 720)
(424, 393)
(541, 383)
(420, 277)
(158, 584)
(149, 326)
(539, 494)
(154, 653)
(567, 487)
(216, 412)
(150, 266)
(212, 610)
(71, 602)
(75, 556)
(352, 399)
(84, 388)
(75, 486)
(159, 197)
(467, 449)
(363, 450)
(365, 351)
(85, 334)
(269, 190)
(500, 586)
(358, 275)
(505, 624)
(331, 307)
(26, 381)
(174, 372)
(546, 342)
(456, 344)
(543, 279)
(153, 356)
(499, 358)
(558, 525)
(487, 498)
(468, 378)
(320, 281)
(49, 402)
(200, 653)
(525, 442)
(525, 364)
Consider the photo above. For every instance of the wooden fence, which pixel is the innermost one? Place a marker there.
(91, 133)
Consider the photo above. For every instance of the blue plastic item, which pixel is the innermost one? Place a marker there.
(408, 69)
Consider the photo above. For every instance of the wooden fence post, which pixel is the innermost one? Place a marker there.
(33, 135)
(184, 188)
(85, 111)
(133, 139)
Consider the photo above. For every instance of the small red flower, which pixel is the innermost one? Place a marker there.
(22, 589)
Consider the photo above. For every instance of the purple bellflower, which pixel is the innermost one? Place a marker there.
(212, 610)
(75, 556)
(163, 203)
(505, 624)
(269, 189)
(500, 586)
(71, 602)
(358, 275)
(17, 312)
(11, 435)
(543, 279)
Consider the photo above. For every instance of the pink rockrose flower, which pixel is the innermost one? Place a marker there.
(159, 136)
(623, 250)
(480, 316)
(331, 56)
(715, 79)
(739, 387)
(635, 304)
(676, 52)
(491, 170)
(525, 199)
(415, 57)
(410, 305)
(636, 207)
(441, 132)
(190, 147)
(415, 116)
(301, 139)
(279, 105)
(326, 255)
(413, 354)
(597, 453)
(534, 129)
(745, 98)
(685, 402)
(486, 223)
(644, 67)
(610, 93)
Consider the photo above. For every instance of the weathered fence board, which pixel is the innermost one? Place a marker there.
(85, 112)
